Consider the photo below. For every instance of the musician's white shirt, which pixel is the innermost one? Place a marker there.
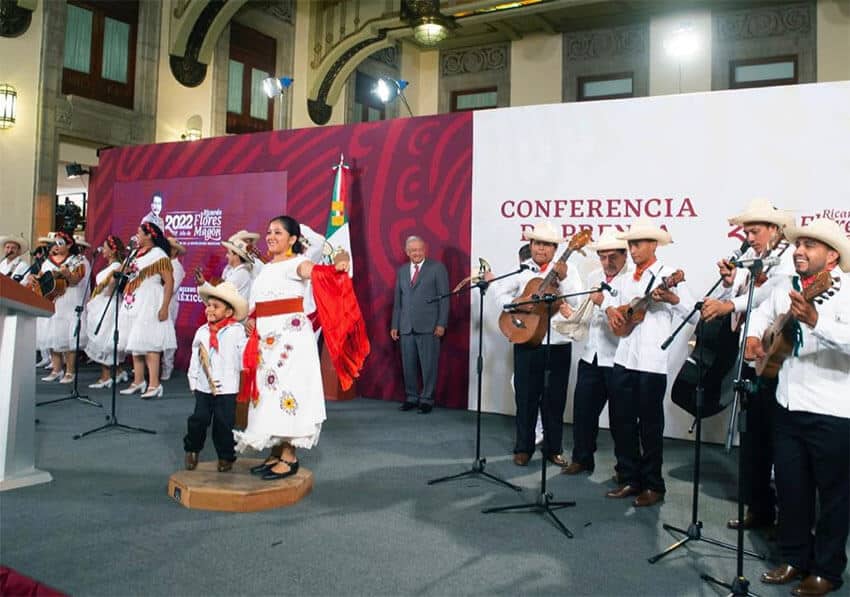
(601, 341)
(225, 363)
(239, 276)
(510, 288)
(17, 266)
(641, 350)
(817, 379)
(737, 293)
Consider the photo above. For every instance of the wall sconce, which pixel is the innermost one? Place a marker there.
(274, 86)
(8, 105)
(193, 128)
(430, 26)
(387, 90)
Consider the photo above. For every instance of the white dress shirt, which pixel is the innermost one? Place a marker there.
(511, 288)
(239, 276)
(14, 267)
(225, 363)
(601, 341)
(817, 379)
(641, 350)
(413, 268)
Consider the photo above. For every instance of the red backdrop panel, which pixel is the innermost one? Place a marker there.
(411, 176)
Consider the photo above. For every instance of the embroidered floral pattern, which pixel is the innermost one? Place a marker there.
(284, 356)
(288, 403)
(296, 323)
(270, 379)
(269, 341)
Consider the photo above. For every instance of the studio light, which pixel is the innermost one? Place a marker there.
(682, 43)
(8, 105)
(387, 90)
(74, 170)
(274, 86)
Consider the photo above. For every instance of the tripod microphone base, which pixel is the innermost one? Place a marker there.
(694, 533)
(75, 396)
(542, 505)
(477, 469)
(114, 424)
(740, 587)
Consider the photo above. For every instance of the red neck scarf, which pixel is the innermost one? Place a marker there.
(642, 268)
(809, 280)
(543, 267)
(215, 327)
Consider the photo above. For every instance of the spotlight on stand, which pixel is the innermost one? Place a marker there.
(274, 86)
(387, 90)
(430, 27)
(74, 170)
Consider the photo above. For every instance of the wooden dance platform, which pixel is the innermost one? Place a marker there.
(237, 490)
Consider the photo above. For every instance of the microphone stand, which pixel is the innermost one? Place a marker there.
(694, 530)
(744, 388)
(121, 279)
(544, 503)
(479, 463)
(75, 395)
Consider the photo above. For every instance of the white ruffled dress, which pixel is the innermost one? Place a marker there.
(99, 346)
(141, 331)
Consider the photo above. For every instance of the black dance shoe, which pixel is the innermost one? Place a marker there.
(262, 469)
(271, 475)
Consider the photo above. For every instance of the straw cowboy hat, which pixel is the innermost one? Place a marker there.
(644, 229)
(829, 233)
(19, 239)
(238, 246)
(608, 241)
(175, 244)
(761, 210)
(227, 292)
(47, 239)
(80, 239)
(245, 235)
(545, 232)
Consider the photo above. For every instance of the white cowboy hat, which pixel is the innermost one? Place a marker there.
(546, 232)
(761, 210)
(245, 235)
(46, 239)
(80, 239)
(227, 292)
(20, 240)
(644, 229)
(828, 232)
(608, 241)
(239, 247)
(175, 244)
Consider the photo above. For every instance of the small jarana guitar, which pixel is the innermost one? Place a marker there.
(634, 311)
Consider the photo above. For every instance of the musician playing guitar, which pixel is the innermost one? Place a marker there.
(13, 263)
(812, 417)
(763, 226)
(529, 360)
(639, 379)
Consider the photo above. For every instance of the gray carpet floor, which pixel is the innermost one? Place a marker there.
(371, 526)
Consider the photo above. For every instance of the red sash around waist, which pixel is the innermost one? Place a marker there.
(280, 307)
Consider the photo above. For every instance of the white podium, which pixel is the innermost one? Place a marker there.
(19, 308)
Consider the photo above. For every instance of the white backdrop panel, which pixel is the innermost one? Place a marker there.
(689, 161)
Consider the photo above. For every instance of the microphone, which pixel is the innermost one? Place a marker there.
(524, 266)
(99, 250)
(603, 285)
(765, 261)
(134, 242)
(736, 254)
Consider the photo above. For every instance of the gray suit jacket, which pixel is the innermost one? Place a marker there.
(411, 312)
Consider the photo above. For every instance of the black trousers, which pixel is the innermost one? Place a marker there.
(221, 411)
(757, 449)
(593, 389)
(813, 458)
(637, 399)
(529, 371)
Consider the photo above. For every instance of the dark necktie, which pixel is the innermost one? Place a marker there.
(415, 274)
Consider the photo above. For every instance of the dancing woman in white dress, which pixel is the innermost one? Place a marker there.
(147, 331)
(287, 401)
(100, 345)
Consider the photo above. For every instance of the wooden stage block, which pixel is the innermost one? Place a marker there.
(237, 490)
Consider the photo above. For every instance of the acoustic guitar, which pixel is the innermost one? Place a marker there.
(527, 324)
(634, 311)
(778, 340)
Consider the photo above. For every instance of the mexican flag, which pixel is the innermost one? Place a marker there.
(337, 234)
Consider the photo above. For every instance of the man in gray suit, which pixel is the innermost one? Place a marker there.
(419, 324)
